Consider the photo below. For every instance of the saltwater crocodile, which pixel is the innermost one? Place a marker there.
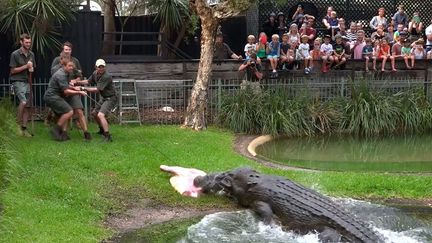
(295, 206)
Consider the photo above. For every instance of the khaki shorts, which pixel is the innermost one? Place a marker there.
(106, 105)
(75, 101)
(58, 105)
(22, 91)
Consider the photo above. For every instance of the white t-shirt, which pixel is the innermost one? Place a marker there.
(428, 32)
(303, 50)
(326, 48)
(249, 49)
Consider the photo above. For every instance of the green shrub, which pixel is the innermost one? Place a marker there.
(238, 111)
(326, 117)
(415, 111)
(278, 113)
(367, 113)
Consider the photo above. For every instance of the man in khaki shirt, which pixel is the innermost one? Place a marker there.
(22, 63)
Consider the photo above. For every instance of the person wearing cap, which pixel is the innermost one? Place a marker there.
(400, 17)
(22, 63)
(270, 26)
(282, 25)
(55, 97)
(108, 97)
(299, 16)
(250, 46)
(252, 68)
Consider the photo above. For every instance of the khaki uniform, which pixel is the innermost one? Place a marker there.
(20, 80)
(108, 97)
(54, 96)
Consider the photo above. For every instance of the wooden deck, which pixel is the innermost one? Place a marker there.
(228, 69)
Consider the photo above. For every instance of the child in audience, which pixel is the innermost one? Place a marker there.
(429, 54)
(334, 24)
(338, 52)
(303, 54)
(383, 53)
(418, 51)
(261, 46)
(390, 31)
(286, 56)
(273, 50)
(250, 47)
(294, 36)
(368, 54)
(407, 54)
(316, 52)
(399, 29)
(327, 50)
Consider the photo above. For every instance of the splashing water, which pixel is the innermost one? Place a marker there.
(397, 225)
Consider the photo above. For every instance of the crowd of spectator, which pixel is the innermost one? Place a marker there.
(290, 42)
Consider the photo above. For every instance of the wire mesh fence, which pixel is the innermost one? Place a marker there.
(166, 101)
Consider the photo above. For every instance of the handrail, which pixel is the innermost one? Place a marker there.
(132, 33)
(177, 50)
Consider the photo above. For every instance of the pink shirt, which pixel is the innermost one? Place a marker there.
(357, 50)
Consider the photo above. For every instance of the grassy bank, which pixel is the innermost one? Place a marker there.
(63, 191)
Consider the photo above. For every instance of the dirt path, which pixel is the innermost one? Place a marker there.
(149, 213)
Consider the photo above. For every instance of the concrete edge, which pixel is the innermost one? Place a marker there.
(257, 142)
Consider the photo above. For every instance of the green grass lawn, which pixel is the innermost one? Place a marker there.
(63, 191)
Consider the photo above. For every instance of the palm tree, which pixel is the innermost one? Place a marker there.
(40, 18)
(174, 17)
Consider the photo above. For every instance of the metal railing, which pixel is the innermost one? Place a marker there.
(166, 101)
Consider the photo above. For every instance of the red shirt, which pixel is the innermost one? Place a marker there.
(309, 31)
(384, 51)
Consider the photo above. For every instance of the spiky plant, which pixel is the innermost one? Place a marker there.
(369, 113)
(39, 18)
(238, 111)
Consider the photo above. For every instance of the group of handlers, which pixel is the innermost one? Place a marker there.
(65, 88)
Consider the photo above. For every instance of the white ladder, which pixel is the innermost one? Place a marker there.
(128, 104)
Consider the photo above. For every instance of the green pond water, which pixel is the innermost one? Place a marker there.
(338, 153)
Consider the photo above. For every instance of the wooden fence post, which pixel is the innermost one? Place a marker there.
(426, 77)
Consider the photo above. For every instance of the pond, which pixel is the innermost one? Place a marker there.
(345, 153)
(397, 224)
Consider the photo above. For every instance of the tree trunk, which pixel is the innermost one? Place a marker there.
(108, 47)
(196, 110)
